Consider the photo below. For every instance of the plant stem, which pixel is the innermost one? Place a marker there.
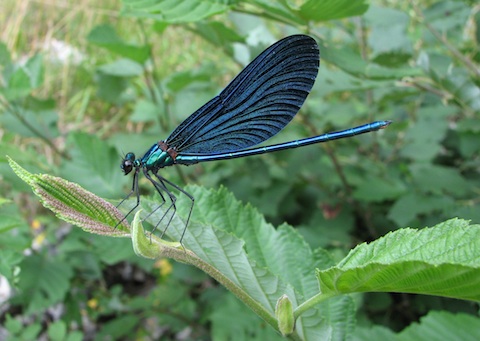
(310, 303)
(453, 50)
(13, 110)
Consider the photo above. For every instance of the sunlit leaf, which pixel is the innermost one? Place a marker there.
(105, 36)
(442, 260)
(332, 9)
(174, 11)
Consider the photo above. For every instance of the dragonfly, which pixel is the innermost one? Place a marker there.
(259, 102)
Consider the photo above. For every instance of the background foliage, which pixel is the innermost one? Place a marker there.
(82, 84)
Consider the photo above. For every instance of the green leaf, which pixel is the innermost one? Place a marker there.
(105, 36)
(18, 85)
(12, 325)
(280, 10)
(43, 282)
(94, 164)
(73, 204)
(325, 10)
(218, 34)
(247, 326)
(426, 178)
(459, 83)
(5, 59)
(450, 326)
(241, 243)
(112, 88)
(388, 37)
(22, 80)
(260, 264)
(331, 81)
(351, 62)
(118, 328)
(180, 80)
(377, 189)
(412, 204)
(422, 138)
(442, 325)
(44, 121)
(447, 16)
(442, 260)
(34, 68)
(122, 68)
(57, 331)
(173, 11)
(145, 111)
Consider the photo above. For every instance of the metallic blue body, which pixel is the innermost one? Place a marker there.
(255, 106)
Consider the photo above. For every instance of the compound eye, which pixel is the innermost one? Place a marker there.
(127, 163)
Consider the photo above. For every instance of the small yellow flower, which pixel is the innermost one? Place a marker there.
(164, 266)
(36, 225)
(92, 303)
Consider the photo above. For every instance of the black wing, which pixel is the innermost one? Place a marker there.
(257, 104)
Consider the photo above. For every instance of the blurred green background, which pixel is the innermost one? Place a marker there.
(84, 82)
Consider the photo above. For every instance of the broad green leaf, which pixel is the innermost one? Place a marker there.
(375, 332)
(447, 16)
(331, 81)
(412, 204)
(112, 88)
(119, 328)
(280, 10)
(436, 325)
(43, 282)
(226, 258)
(18, 85)
(39, 122)
(218, 253)
(180, 80)
(426, 178)
(246, 327)
(442, 260)
(351, 62)
(455, 83)
(260, 264)
(94, 164)
(12, 325)
(34, 68)
(20, 80)
(459, 83)
(145, 111)
(105, 36)
(219, 35)
(377, 189)
(445, 325)
(5, 59)
(112, 250)
(57, 331)
(283, 252)
(173, 11)
(325, 10)
(469, 145)
(422, 138)
(388, 37)
(122, 68)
